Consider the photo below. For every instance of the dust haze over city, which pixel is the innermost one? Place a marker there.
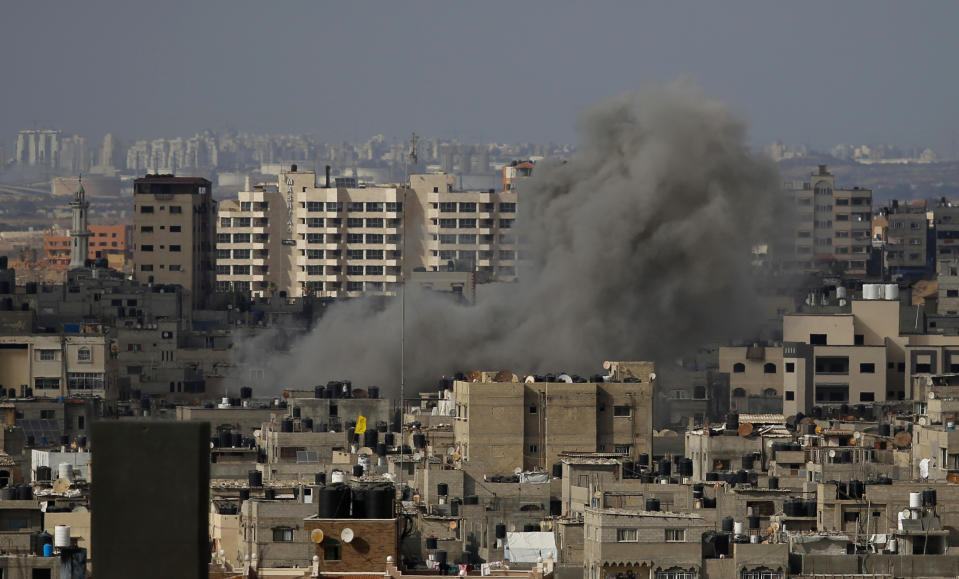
(538, 289)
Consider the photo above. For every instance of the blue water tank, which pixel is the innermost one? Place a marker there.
(48, 550)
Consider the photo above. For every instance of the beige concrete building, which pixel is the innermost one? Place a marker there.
(832, 224)
(500, 426)
(54, 366)
(303, 239)
(755, 377)
(174, 232)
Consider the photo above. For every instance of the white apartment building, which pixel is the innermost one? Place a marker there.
(303, 239)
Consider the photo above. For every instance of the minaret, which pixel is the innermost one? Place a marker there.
(79, 233)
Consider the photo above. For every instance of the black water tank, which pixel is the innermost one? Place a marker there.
(323, 427)
(246, 393)
(389, 439)
(380, 449)
(255, 478)
(334, 502)
(24, 492)
(727, 524)
(319, 391)
(685, 467)
(742, 476)
(43, 473)
(884, 429)
(500, 531)
(709, 503)
(319, 478)
(665, 467)
(929, 498)
(643, 459)
(244, 494)
(307, 424)
(370, 438)
(382, 426)
(774, 482)
(442, 489)
(753, 521)
(732, 421)
(419, 441)
(471, 500)
(809, 508)
(712, 477)
(296, 412)
(380, 501)
(8, 493)
(373, 392)
(269, 493)
(361, 502)
(749, 461)
(652, 504)
(440, 557)
(357, 470)
(286, 425)
(236, 439)
(431, 543)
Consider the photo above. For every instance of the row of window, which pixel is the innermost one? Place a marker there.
(504, 254)
(171, 267)
(174, 209)
(472, 223)
(242, 254)
(470, 207)
(353, 206)
(822, 367)
(242, 238)
(471, 238)
(150, 248)
(149, 228)
(632, 535)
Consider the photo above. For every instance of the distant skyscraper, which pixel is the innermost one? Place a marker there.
(38, 148)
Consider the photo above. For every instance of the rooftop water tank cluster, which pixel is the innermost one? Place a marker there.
(368, 501)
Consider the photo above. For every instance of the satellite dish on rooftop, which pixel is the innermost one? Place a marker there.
(316, 535)
(652, 376)
(346, 535)
(857, 435)
(517, 470)
(607, 365)
(832, 453)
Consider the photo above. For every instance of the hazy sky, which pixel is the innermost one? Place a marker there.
(813, 72)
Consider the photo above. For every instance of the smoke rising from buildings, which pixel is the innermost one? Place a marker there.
(637, 248)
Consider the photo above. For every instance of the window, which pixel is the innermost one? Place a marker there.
(865, 368)
(334, 206)
(315, 222)
(283, 535)
(146, 209)
(314, 238)
(84, 355)
(354, 238)
(374, 223)
(241, 238)
(533, 448)
(46, 383)
(953, 293)
(769, 368)
(790, 395)
(46, 355)
(627, 535)
(867, 397)
(739, 393)
(770, 393)
(394, 207)
(532, 409)
(354, 222)
(224, 222)
(174, 248)
(146, 229)
(146, 248)
(176, 209)
(467, 207)
(507, 208)
(374, 254)
(85, 380)
(506, 223)
(173, 229)
(355, 206)
(739, 368)
(448, 207)
(331, 549)
(622, 411)
(859, 339)
(790, 367)
(817, 339)
(675, 535)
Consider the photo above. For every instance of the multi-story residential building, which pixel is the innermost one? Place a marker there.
(832, 225)
(54, 366)
(948, 286)
(301, 239)
(946, 224)
(502, 425)
(110, 242)
(755, 377)
(906, 238)
(174, 233)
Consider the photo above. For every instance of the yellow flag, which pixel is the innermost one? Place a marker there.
(360, 425)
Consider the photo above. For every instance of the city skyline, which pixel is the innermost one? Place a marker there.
(478, 73)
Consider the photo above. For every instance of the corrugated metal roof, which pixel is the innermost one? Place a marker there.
(762, 418)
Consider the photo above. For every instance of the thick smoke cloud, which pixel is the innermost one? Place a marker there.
(637, 248)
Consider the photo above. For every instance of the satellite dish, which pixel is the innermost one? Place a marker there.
(607, 365)
(347, 535)
(451, 451)
(932, 396)
(564, 378)
(745, 429)
(902, 439)
(529, 379)
(652, 376)
(452, 525)
(316, 535)
(857, 435)
(517, 470)
(832, 453)
(365, 450)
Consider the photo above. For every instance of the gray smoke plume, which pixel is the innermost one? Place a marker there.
(638, 248)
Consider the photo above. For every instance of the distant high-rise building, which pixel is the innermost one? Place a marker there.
(906, 238)
(38, 148)
(174, 233)
(833, 226)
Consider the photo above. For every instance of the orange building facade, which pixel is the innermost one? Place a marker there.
(110, 242)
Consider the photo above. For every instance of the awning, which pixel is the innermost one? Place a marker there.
(528, 547)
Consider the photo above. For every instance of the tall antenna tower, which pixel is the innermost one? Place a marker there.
(414, 154)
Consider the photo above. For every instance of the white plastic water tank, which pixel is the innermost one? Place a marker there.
(65, 470)
(840, 292)
(61, 536)
(915, 500)
(892, 546)
(754, 539)
(739, 528)
(870, 291)
(337, 476)
(364, 461)
(890, 291)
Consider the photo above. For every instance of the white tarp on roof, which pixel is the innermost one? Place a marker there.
(528, 547)
(534, 477)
